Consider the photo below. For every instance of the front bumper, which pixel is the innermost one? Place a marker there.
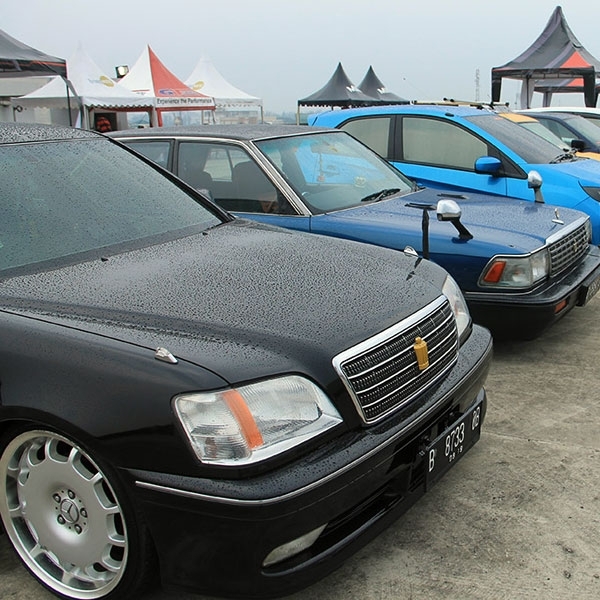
(212, 536)
(526, 315)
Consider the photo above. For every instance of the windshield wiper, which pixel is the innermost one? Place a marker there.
(376, 196)
(567, 155)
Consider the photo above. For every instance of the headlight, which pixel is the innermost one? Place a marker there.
(248, 424)
(518, 272)
(594, 192)
(458, 304)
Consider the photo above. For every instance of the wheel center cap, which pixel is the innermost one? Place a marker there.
(69, 511)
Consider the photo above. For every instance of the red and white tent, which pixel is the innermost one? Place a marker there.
(151, 79)
(90, 90)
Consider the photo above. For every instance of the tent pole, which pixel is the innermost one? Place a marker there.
(69, 106)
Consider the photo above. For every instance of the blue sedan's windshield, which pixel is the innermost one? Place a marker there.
(528, 145)
(332, 171)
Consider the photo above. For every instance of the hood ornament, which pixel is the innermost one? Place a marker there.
(422, 353)
(165, 356)
(557, 218)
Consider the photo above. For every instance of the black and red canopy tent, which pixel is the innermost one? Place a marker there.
(19, 60)
(554, 57)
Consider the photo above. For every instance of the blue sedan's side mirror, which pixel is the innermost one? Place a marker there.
(449, 210)
(488, 165)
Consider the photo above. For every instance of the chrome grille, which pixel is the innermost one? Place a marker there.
(382, 373)
(568, 249)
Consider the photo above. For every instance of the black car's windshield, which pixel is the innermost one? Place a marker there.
(332, 171)
(67, 197)
(528, 145)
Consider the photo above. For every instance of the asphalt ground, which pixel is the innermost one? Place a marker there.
(517, 518)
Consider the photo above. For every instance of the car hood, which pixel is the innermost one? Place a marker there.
(242, 299)
(585, 170)
(498, 224)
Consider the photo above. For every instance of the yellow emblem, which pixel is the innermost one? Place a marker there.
(421, 352)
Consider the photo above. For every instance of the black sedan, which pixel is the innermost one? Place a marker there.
(233, 406)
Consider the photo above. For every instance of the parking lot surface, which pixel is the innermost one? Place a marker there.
(519, 515)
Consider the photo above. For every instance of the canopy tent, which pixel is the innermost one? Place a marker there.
(228, 99)
(550, 87)
(372, 86)
(150, 79)
(19, 60)
(338, 91)
(23, 69)
(94, 90)
(555, 55)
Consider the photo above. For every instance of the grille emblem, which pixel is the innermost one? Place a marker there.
(421, 352)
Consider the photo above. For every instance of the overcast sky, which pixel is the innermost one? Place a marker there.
(282, 50)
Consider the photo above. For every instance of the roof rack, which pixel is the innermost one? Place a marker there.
(497, 107)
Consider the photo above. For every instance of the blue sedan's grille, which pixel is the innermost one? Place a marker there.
(568, 249)
(382, 374)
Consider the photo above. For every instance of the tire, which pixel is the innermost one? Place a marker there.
(69, 520)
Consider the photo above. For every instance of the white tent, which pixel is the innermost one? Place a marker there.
(230, 101)
(90, 90)
(150, 79)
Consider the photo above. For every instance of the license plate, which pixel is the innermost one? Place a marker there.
(589, 291)
(452, 444)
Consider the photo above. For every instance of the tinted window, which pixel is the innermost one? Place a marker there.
(583, 127)
(230, 176)
(559, 130)
(157, 151)
(440, 143)
(373, 132)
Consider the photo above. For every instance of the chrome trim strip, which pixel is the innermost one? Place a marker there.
(307, 488)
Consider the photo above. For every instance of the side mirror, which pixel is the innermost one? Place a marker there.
(449, 210)
(534, 181)
(489, 165)
(578, 145)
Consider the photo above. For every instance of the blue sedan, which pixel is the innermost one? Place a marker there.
(472, 148)
(521, 265)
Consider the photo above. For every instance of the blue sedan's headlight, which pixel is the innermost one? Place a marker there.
(250, 423)
(593, 192)
(517, 272)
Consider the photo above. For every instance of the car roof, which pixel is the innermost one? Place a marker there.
(551, 114)
(442, 108)
(236, 132)
(14, 133)
(566, 109)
